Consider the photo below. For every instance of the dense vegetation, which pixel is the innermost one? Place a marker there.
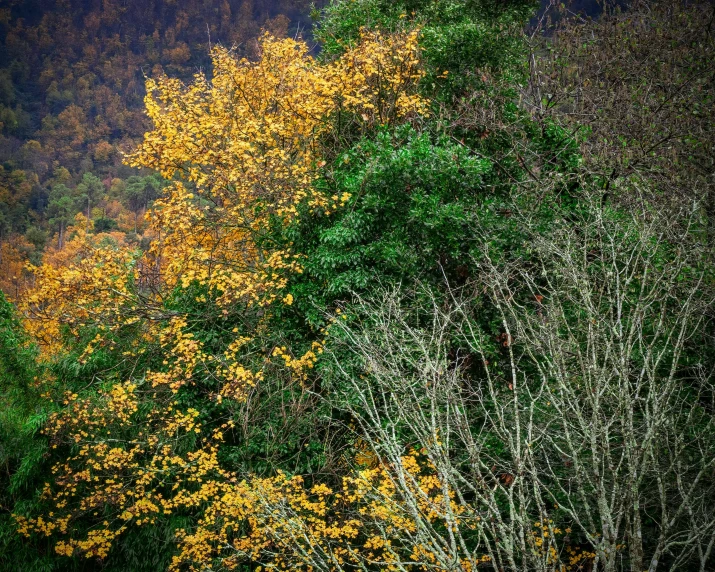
(436, 296)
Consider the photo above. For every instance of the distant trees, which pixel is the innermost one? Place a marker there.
(639, 85)
(89, 87)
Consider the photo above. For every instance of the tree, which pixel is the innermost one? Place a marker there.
(641, 81)
(241, 151)
(139, 192)
(60, 211)
(573, 427)
(104, 225)
(89, 190)
(38, 239)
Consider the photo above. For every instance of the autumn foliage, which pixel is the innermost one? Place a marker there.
(242, 152)
(359, 307)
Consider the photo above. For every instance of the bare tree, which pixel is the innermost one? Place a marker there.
(588, 412)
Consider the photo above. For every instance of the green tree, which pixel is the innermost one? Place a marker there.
(89, 191)
(139, 192)
(61, 210)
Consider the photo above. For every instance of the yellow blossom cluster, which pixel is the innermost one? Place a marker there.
(245, 148)
(559, 555)
(242, 151)
(135, 476)
(286, 524)
(303, 364)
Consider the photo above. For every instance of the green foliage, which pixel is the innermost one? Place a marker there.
(22, 451)
(17, 358)
(462, 37)
(412, 195)
(61, 207)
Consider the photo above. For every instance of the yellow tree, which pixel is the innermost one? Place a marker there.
(244, 148)
(242, 153)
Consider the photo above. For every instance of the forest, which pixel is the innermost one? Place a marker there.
(357, 285)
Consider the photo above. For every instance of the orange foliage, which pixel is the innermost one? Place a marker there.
(14, 278)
